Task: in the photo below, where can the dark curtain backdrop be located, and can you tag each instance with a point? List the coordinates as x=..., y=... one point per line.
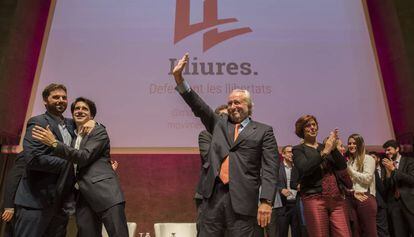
x=393, y=28
x=22, y=25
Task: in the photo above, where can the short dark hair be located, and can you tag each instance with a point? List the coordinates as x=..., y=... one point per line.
x=52, y=87
x=391, y=143
x=220, y=108
x=90, y=103
x=284, y=148
x=301, y=123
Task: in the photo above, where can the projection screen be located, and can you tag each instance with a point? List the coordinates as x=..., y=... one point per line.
x=295, y=57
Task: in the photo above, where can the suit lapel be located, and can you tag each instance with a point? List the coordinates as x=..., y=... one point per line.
x=70, y=126
x=230, y=133
x=84, y=139
x=403, y=161
x=245, y=133
x=54, y=126
x=283, y=172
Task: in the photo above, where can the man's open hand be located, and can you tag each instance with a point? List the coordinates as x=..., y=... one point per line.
x=7, y=214
x=264, y=214
x=178, y=69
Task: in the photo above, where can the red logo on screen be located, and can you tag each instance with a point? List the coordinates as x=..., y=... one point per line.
x=183, y=28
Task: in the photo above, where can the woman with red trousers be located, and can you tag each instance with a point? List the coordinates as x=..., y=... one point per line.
x=361, y=168
x=318, y=164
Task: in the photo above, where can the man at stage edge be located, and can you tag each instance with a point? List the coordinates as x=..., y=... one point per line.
x=399, y=182
x=47, y=180
x=100, y=200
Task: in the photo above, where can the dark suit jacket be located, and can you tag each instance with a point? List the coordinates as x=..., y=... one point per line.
x=47, y=178
x=98, y=183
x=403, y=178
x=380, y=191
x=282, y=182
x=253, y=157
x=204, y=141
x=13, y=179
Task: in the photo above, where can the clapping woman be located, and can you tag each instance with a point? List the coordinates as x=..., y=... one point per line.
x=324, y=204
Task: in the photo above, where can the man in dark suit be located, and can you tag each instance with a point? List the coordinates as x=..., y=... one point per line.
x=380, y=194
x=47, y=179
x=243, y=156
x=100, y=199
x=204, y=141
x=400, y=183
x=288, y=215
x=11, y=183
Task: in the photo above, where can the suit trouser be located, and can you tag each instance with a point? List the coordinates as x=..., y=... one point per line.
x=272, y=229
x=198, y=203
x=48, y=222
x=326, y=216
x=282, y=218
x=402, y=220
x=289, y=217
x=382, y=222
x=218, y=217
x=89, y=222
x=8, y=230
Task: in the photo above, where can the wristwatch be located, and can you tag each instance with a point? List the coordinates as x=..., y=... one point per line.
x=54, y=144
x=266, y=201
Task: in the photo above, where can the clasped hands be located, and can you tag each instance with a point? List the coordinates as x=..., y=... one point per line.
x=389, y=166
x=332, y=142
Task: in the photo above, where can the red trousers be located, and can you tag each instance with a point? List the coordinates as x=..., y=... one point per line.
x=366, y=212
x=326, y=216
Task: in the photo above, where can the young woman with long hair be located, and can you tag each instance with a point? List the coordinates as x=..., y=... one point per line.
x=361, y=168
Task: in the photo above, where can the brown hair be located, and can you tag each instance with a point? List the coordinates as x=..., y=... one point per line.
x=301, y=123
x=220, y=108
x=50, y=88
x=284, y=148
x=360, y=151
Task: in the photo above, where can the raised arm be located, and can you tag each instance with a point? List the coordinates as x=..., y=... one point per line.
x=197, y=105
x=337, y=160
x=306, y=165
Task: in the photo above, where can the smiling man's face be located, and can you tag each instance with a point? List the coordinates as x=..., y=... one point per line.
x=57, y=102
x=81, y=113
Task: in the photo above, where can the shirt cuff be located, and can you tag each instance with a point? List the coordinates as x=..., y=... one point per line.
x=183, y=87
x=9, y=209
